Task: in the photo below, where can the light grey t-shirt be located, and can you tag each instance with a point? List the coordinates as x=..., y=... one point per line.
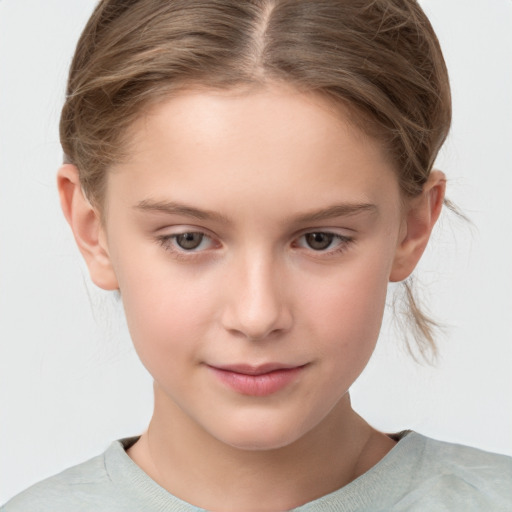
x=418, y=474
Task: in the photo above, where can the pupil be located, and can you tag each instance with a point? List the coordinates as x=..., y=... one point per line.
x=189, y=240
x=319, y=241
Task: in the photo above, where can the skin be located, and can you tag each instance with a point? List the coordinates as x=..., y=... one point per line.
x=256, y=172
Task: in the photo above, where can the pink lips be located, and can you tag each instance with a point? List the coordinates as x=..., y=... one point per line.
x=257, y=381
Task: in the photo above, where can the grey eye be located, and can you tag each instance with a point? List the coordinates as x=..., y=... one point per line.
x=189, y=241
x=319, y=241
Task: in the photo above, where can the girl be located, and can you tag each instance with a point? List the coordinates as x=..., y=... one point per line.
x=250, y=176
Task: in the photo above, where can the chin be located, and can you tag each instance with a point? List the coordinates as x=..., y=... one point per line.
x=260, y=437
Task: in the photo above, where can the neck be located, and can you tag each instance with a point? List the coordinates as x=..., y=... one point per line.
x=198, y=468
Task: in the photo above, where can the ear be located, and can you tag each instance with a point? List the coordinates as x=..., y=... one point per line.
x=86, y=225
x=421, y=214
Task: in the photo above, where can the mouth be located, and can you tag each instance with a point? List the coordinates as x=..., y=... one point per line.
x=261, y=380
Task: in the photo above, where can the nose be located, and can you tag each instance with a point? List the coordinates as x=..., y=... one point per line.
x=256, y=307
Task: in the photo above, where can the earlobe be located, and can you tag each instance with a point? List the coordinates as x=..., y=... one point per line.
x=88, y=231
x=421, y=215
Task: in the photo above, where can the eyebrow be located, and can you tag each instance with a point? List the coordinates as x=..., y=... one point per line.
x=338, y=210
x=173, y=208
x=331, y=212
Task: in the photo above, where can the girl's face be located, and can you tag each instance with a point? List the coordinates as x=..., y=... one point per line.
x=252, y=236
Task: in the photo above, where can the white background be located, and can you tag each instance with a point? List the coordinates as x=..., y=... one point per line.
x=69, y=380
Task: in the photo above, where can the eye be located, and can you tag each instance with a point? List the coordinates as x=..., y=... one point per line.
x=319, y=241
x=323, y=241
x=186, y=242
x=189, y=241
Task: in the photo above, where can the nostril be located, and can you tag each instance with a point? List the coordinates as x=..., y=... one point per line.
x=256, y=306
x=257, y=324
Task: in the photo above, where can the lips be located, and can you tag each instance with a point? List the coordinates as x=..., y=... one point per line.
x=262, y=380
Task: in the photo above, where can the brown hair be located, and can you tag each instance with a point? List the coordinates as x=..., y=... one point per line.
x=380, y=57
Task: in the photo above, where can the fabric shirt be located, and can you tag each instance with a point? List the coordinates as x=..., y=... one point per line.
x=418, y=474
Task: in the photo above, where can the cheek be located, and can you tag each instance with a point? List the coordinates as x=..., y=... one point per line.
x=347, y=309
x=349, y=326
x=166, y=311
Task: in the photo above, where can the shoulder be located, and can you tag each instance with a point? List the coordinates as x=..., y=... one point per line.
x=458, y=475
x=454, y=457
x=84, y=487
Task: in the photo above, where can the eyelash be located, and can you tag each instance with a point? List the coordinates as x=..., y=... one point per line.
x=343, y=243
x=169, y=243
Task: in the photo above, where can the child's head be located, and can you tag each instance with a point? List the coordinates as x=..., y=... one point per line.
x=376, y=64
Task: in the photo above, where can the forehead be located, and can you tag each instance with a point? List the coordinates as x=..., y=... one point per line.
x=273, y=141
